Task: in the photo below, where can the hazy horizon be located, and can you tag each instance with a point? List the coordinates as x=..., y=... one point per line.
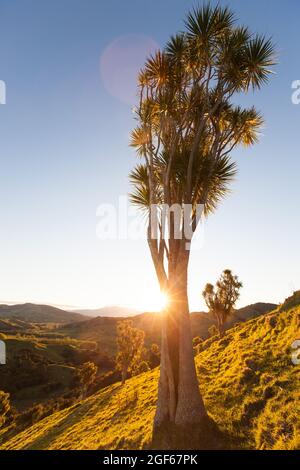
x=70, y=308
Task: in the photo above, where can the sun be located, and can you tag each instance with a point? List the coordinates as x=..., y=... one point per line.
x=163, y=301
x=157, y=301
x=147, y=300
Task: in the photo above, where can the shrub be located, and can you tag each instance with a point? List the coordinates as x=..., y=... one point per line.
x=154, y=356
x=130, y=343
x=86, y=375
x=142, y=367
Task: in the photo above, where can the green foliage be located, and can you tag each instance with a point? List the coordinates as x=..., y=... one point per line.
x=221, y=300
x=187, y=122
x=42, y=364
x=154, y=355
x=86, y=375
x=130, y=343
x=143, y=366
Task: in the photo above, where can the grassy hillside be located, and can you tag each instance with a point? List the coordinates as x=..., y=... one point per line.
x=103, y=329
x=39, y=314
x=38, y=369
x=291, y=301
x=250, y=387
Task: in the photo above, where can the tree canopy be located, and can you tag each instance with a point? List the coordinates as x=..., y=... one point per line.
x=221, y=300
x=187, y=122
x=130, y=343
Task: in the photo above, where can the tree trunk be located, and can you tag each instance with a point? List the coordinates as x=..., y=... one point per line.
x=124, y=375
x=220, y=325
x=180, y=410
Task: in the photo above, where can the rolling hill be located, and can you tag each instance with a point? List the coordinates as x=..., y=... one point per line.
x=249, y=384
x=34, y=313
x=103, y=329
x=41, y=368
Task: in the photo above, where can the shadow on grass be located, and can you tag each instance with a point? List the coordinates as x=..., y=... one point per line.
x=204, y=436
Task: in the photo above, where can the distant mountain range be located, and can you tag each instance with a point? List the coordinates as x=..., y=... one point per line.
x=34, y=313
x=89, y=324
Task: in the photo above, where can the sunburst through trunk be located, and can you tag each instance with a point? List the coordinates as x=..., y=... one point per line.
x=180, y=404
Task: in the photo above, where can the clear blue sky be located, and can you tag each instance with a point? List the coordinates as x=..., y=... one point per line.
x=64, y=150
